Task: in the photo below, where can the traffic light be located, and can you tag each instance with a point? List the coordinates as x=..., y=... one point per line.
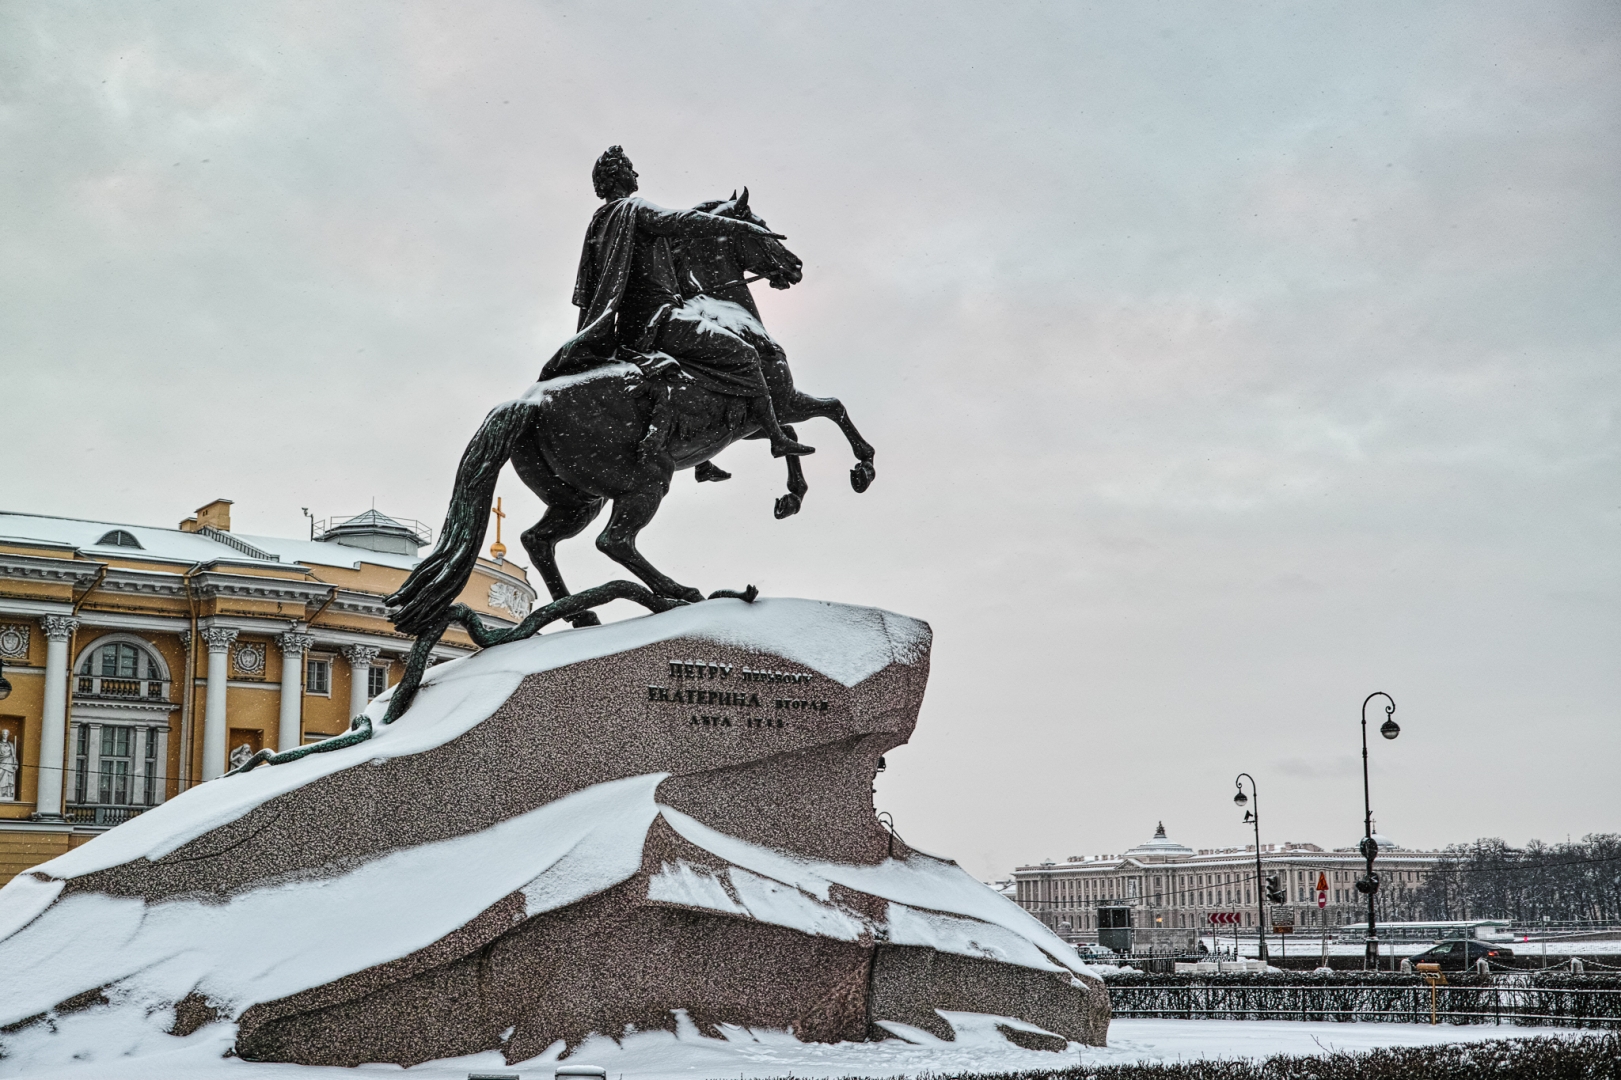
x=1274, y=890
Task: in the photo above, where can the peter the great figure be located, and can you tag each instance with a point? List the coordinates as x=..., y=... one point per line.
x=670, y=366
x=631, y=303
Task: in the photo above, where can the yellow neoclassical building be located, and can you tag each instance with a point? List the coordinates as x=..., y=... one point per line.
x=142, y=661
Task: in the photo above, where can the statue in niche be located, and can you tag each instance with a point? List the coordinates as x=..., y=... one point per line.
x=9, y=765
x=240, y=756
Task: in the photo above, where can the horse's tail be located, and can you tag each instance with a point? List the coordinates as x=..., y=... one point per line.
x=425, y=598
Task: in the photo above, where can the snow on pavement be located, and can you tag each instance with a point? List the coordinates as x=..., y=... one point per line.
x=85, y=1049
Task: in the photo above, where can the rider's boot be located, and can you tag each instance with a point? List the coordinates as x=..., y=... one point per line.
x=765, y=414
x=708, y=470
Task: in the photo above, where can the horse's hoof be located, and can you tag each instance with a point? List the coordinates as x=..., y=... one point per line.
x=787, y=506
x=585, y=618
x=862, y=475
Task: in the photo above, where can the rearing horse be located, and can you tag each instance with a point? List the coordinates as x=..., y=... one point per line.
x=579, y=441
x=708, y=270
x=617, y=432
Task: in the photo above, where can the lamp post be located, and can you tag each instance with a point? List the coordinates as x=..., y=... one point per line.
x=1369, y=883
x=1253, y=817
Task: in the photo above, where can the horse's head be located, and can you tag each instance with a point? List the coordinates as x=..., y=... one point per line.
x=763, y=255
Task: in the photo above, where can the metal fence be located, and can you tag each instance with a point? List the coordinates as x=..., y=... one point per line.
x=1573, y=1002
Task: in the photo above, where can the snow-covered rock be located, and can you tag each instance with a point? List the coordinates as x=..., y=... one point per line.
x=572, y=835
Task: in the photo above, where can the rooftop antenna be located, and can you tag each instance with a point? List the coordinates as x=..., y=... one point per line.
x=312, y=520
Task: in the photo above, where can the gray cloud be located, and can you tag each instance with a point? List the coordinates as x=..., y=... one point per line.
x=1225, y=363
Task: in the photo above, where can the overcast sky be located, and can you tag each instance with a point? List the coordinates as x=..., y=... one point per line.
x=1226, y=363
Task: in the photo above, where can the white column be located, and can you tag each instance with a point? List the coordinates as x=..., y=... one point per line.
x=137, y=773
x=54, y=722
x=218, y=639
x=92, y=765
x=160, y=790
x=71, y=773
x=360, y=661
x=289, y=731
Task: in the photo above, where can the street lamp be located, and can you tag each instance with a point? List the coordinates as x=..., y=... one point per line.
x=1253, y=817
x=1369, y=883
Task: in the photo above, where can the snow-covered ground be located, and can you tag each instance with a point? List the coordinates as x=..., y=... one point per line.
x=82, y=1050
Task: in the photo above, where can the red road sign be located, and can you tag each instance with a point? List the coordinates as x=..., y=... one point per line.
x=1322, y=889
x=1219, y=918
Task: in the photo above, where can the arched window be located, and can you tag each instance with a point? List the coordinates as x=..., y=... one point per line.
x=121, y=669
x=120, y=538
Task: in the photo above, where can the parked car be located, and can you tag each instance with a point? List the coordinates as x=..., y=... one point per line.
x=1095, y=952
x=1461, y=955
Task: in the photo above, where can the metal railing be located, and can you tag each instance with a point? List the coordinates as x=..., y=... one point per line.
x=1507, y=1002
x=421, y=531
x=106, y=686
x=101, y=814
x=220, y=536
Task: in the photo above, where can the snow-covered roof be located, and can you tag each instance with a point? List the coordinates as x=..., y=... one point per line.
x=1385, y=844
x=373, y=519
x=186, y=547
x=163, y=544
x=1159, y=846
x=317, y=553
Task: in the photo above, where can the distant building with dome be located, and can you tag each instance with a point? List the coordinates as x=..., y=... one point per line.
x=1166, y=891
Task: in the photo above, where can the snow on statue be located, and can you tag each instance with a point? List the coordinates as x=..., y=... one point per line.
x=8, y=767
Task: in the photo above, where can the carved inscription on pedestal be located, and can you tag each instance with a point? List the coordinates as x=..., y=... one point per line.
x=711, y=695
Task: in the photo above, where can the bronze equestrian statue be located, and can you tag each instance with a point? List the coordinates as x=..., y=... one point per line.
x=632, y=305
x=670, y=365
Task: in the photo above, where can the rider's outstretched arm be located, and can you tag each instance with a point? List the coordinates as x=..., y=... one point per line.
x=695, y=223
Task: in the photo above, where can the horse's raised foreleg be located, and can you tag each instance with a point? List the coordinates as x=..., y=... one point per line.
x=562, y=520
x=631, y=514
x=789, y=504
x=802, y=406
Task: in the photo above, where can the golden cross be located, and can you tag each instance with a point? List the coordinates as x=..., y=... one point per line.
x=498, y=550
